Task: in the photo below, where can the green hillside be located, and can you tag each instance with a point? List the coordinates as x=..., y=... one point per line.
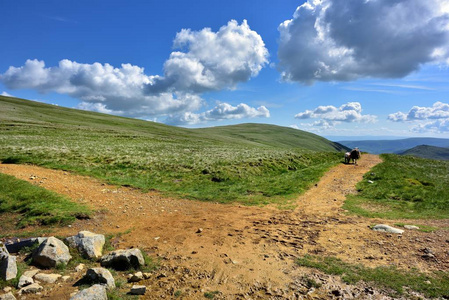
x=430, y=152
x=250, y=163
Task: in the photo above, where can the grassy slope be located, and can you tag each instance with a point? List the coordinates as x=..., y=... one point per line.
x=403, y=187
x=430, y=152
x=249, y=163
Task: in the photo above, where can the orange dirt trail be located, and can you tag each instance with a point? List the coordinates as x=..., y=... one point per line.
x=240, y=251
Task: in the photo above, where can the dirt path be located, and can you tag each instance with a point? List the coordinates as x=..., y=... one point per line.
x=240, y=251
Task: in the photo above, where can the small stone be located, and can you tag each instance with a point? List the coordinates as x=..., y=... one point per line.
x=24, y=281
x=88, y=243
x=65, y=278
x=123, y=259
x=8, y=266
x=387, y=228
x=199, y=230
x=95, y=292
x=100, y=275
x=7, y=289
x=7, y=296
x=48, y=278
x=31, y=289
x=138, y=290
x=51, y=253
x=136, y=277
x=411, y=227
x=147, y=275
x=31, y=273
x=79, y=268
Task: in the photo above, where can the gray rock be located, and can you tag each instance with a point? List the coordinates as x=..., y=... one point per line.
x=123, y=259
x=31, y=289
x=136, y=277
x=8, y=265
x=386, y=228
x=31, y=273
x=101, y=276
x=24, y=281
x=51, y=253
x=3, y=252
x=138, y=290
x=95, y=292
x=411, y=227
x=89, y=244
x=7, y=296
x=48, y=278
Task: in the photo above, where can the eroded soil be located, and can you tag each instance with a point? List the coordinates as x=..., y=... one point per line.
x=242, y=252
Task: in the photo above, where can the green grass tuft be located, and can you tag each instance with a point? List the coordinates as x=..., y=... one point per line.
x=403, y=187
x=434, y=285
x=35, y=205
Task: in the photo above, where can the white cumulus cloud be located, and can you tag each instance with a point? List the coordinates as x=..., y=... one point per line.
x=222, y=111
x=438, y=110
x=328, y=115
x=213, y=60
x=205, y=61
x=438, y=126
x=341, y=40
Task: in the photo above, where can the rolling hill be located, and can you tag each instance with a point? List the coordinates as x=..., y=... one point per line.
x=250, y=163
x=430, y=152
x=394, y=146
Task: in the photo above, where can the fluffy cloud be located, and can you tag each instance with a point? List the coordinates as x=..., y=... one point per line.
x=439, y=110
x=222, y=111
x=438, y=126
x=101, y=87
x=340, y=40
x=212, y=61
x=329, y=115
x=6, y=94
x=438, y=113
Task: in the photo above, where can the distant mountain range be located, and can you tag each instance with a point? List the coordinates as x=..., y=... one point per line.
x=394, y=146
x=426, y=151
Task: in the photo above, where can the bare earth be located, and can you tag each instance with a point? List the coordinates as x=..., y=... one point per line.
x=242, y=252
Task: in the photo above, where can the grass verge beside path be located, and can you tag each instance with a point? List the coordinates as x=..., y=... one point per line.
x=435, y=285
x=35, y=205
x=403, y=187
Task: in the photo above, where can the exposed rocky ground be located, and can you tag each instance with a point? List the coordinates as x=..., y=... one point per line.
x=234, y=251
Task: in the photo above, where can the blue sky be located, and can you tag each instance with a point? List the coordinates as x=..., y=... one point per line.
x=335, y=68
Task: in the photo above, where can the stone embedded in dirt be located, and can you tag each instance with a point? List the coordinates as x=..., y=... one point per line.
x=7, y=296
x=7, y=289
x=31, y=289
x=31, y=273
x=138, y=290
x=411, y=227
x=95, y=292
x=147, y=275
x=79, y=268
x=199, y=230
x=387, y=228
x=51, y=253
x=101, y=276
x=24, y=281
x=123, y=259
x=48, y=278
x=136, y=277
x=88, y=243
x=8, y=265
